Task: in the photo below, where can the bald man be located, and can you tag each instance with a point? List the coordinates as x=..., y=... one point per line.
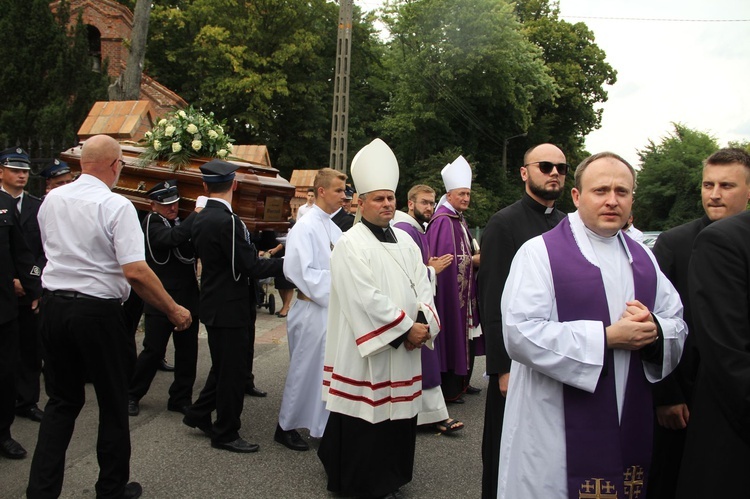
x=95, y=253
x=543, y=173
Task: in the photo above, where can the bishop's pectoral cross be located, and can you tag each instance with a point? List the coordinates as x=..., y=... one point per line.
x=600, y=489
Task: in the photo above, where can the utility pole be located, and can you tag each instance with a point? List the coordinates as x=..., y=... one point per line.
x=340, y=118
x=505, y=149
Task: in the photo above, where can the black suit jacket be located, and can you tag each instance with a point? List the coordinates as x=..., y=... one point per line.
x=717, y=449
x=16, y=261
x=31, y=233
x=166, y=245
x=673, y=249
x=343, y=220
x=219, y=240
x=506, y=231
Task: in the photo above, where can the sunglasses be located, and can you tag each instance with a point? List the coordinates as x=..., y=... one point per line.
x=547, y=166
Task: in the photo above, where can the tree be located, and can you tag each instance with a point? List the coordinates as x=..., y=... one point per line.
x=128, y=87
x=668, y=192
x=579, y=70
x=267, y=67
x=47, y=82
x=464, y=77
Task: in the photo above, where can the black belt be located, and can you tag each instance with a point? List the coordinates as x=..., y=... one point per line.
x=76, y=295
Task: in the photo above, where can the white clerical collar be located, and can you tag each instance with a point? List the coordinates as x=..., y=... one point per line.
x=450, y=207
x=583, y=236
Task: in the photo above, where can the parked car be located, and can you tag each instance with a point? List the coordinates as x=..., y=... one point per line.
x=649, y=238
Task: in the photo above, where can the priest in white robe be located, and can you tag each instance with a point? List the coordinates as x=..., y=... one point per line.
x=307, y=265
x=589, y=321
x=380, y=314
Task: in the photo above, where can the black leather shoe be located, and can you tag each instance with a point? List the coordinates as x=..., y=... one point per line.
x=12, y=449
x=165, y=366
x=238, y=445
x=204, y=426
x=254, y=392
x=181, y=408
x=31, y=412
x=133, y=490
x=290, y=439
x=133, y=408
x=472, y=390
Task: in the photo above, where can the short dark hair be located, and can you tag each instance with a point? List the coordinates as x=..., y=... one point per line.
x=606, y=154
x=219, y=187
x=311, y=189
x=728, y=156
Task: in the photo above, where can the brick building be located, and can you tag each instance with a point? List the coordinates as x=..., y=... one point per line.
x=108, y=23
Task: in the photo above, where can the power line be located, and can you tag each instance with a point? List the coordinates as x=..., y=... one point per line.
x=658, y=19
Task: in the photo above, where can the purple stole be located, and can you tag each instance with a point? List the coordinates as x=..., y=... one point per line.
x=606, y=458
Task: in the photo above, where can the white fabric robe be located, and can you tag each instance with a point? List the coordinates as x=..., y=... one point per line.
x=434, y=409
x=372, y=304
x=547, y=353
x=307, y=264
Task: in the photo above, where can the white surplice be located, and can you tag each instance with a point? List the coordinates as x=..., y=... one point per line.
x=547, y=354
x=373, y=302
x=434, y=409
x=307, y=264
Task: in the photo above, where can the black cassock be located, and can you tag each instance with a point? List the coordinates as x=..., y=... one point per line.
x=505, y=233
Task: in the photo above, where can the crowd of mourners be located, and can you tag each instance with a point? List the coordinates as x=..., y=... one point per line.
x=614, y=370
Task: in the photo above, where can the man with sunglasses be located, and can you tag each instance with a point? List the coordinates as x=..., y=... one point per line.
x=543, y=172
x=589, y=322
x=95, y=253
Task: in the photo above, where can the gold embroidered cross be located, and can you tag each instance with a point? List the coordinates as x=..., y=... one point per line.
x=633, y=482
x=608, y=491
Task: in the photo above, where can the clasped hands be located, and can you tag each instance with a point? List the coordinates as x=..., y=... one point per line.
x=635, y=329
x=417, y=336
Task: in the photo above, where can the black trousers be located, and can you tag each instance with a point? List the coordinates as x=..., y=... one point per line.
x=84, y=339
x=250, y=381
x=8, y=362
x=29, y=368
x=155, y=340
x=494, y=410
x=225, y=385
x=455, y=385
x=665, y=462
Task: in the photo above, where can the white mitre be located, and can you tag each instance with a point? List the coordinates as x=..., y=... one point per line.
x=375, y=168
x=457, y=175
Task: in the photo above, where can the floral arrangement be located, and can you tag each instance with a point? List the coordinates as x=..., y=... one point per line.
x=185, y=134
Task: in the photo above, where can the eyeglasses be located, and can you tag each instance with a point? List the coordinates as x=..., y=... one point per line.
x=122, y=163
x=547, y=166
x=424, y=202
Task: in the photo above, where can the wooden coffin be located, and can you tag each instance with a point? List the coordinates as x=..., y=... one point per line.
x=262, y=199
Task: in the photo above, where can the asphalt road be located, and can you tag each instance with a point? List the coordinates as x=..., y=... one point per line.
x=171, y=460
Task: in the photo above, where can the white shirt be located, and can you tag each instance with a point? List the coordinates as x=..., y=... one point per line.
x=547, y=354
x=89, y=233
x=304, y=209
x=307, y=263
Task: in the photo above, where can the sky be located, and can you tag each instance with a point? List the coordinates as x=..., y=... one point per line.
x=694, y=73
